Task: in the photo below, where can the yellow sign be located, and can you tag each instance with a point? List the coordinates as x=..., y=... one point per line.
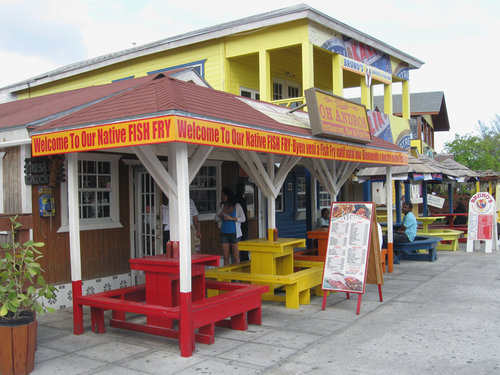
x=188, y=130
x=334, y=117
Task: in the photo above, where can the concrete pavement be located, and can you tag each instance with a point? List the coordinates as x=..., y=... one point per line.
x=436, y=318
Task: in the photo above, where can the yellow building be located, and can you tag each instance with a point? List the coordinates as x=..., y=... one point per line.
x=273, y=57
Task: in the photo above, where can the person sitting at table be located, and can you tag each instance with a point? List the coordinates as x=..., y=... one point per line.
x=230, y=215
x=460, y=209
x=408, y=229
x=324, y=220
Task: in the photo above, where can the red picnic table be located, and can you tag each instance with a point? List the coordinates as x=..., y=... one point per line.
x=158, y=300
x=321, y=235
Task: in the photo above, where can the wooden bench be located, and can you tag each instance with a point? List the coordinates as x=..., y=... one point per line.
x=297, y=285
x=410, y=250
x=239, y=305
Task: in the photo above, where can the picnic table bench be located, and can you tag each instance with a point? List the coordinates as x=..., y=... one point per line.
x=411, y=250
x=297, y=285
x=449, y=237
x=239, y=305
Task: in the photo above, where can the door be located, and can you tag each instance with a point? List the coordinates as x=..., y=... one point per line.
x=148, y=218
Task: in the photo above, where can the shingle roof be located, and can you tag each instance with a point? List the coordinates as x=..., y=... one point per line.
x=21, y=113
x=421, y=103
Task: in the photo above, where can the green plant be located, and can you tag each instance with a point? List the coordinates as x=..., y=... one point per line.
x=21, y=280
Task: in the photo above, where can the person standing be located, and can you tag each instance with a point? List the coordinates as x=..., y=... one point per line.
x=165, y=220
x=195, y=227
x=194, y=224
x=240, y=198
x=230, y=215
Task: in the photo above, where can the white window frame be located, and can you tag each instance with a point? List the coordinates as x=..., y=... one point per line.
x=302, y=193
x=253, y=92
x=218, y=189
x=285, y=85
x=95, y=223
x=279, y=201
x=321, y=193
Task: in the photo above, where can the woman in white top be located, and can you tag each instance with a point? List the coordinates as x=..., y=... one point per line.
x=230, y=214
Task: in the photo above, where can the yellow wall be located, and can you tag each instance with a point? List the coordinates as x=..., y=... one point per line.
x=274, y=37
x=138, y=67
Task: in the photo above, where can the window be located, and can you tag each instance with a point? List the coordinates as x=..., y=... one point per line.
x=301, y=193
x=94, y=189
x=199, y=66
x=277, y=91
x=204, y=192
x=279, y=201
x=249, y=93
x=98, y=193
x=283, y=89
x=325, y=200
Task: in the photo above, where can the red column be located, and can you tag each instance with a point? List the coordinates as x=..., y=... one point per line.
x=186, y=331
x=77, y=309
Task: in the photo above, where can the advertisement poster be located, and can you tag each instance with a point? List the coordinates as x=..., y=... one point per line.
x=348, y=246
x=481, y=213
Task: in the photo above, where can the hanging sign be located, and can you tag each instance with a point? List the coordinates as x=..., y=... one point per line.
x=435, y=201
x=335, y=117
x=166, y=129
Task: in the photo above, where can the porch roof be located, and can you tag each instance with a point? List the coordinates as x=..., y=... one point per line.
x=166, y=99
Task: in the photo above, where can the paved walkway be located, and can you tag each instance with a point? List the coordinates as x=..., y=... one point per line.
x=436, y=318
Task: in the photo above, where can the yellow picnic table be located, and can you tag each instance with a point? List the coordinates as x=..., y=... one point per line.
x=427, y=220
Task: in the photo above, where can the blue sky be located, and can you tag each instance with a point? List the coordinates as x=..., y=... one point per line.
x=457, y=40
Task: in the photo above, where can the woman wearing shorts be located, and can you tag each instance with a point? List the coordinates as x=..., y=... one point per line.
x=230, y=214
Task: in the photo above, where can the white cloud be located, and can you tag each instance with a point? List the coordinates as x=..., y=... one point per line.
x=16, y=68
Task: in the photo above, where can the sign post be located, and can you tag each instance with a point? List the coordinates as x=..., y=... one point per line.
x=482, y=223
x=353, y=251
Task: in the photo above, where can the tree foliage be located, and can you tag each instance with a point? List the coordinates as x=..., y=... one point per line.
x=478, y=152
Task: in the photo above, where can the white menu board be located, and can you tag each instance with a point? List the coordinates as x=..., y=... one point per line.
x=348, y=247
x=482, y=225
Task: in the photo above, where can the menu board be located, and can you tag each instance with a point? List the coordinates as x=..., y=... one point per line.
x=481, y=212
x=482, y=225
x=348, y=247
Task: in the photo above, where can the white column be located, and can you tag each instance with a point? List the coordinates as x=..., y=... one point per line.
x=173, y=204
x=184, y=237
x=25, y=152
x=271, y=202
x=74, y=218
x=388, y=190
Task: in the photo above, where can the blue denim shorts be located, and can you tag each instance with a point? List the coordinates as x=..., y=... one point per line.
x=228, y=238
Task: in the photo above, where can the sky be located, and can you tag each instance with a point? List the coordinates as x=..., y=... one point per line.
x=457, y=40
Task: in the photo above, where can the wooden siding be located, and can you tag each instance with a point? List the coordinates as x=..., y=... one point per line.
x=12, y=180
x=244, y=72
x=139, y=67
x=323, y=70
x=103, y=252
x=210, y=241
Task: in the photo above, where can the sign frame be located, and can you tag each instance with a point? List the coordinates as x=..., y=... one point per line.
x=335, y=117
x=482, y=225
x=351, y=261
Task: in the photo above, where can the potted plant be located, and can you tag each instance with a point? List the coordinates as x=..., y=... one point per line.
x=22, y=285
